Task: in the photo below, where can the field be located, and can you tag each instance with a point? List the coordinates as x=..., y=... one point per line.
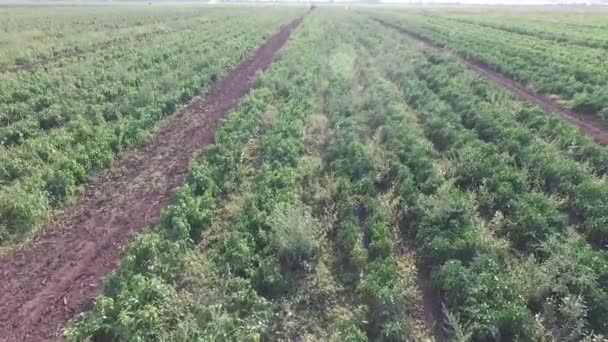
x=563, y=56
x=62, y=123
x=281, y=173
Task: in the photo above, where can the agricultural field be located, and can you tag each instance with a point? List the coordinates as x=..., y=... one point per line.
x=31, y=37
x=562, y=55
x=64, y=121
x=364, y=180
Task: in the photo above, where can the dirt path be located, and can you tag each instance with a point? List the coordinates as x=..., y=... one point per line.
x=588, y=125
x=46, y=283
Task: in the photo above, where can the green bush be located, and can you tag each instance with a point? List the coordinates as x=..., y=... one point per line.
x=486, y=300
x=238, y=253
x=588, y=103
x=150, y=255
x=137, y=314
x=388, y=291
x=22, y=207
x=447, y=228
x=570, y=268
x=295, y=234
x=591, y=202
x=348, y=328
x=566, y=320
x=349, y=235
x=59, y=186
x=533, y=217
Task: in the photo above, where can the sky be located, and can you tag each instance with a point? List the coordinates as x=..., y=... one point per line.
x=497, y=2
x=470, y=2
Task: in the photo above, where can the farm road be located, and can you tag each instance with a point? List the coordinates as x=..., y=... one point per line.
x=46, y=283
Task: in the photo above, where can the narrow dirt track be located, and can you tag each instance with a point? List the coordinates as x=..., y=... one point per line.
x=590, y=126
x=45, y=284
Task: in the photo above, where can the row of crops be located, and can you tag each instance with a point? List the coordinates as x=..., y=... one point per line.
x=563, y=69
x=585, y=31
x=507, y=220
x=361, y=168
x=265, y=240
x=42, y=36
x=63, y=124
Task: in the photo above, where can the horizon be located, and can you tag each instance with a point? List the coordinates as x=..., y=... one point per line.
x=368, y=2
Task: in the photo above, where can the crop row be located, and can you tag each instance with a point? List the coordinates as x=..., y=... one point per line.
x=219, y=232
x=299, y=243
x=108, y=104
x=359, y=165
x=547, y=169
x=35, y=104
x=586, y=36
x=575, y=75
x=495, y=232
x=572, y=163
x=369, y=131
x=29, y=36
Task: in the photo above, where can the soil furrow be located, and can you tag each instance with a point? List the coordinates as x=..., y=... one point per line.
x=590, y=126
x=47, y=282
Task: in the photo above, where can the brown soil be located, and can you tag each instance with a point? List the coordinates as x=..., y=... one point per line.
x=432, y=306
x=590, y=126
x=57, y=276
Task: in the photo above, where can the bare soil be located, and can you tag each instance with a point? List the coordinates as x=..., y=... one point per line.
x=49, y=281
x=593, y=127
x=431, y=306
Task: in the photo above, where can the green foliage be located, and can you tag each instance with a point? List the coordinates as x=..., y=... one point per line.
x=190, y=215
x=253, y=249
x=570, y=269
x=349, y=235
x=348, y=157
x=138, y=313
x=548, y=66
x=533, y=220
x=295, y=234
x=138, y=303
x=486, y=300
x=567, y=319
x=447, y=228
x=454, y=329
x=23, y=207
x=348, y=328
x=592, y=203
x=63, y=124
x=388, y=291
x=513, y=176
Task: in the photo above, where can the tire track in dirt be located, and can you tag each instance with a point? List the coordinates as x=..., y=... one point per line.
x=595, y=128
x=47, y=282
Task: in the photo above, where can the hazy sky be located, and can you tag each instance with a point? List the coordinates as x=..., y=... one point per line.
x=519, y=2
